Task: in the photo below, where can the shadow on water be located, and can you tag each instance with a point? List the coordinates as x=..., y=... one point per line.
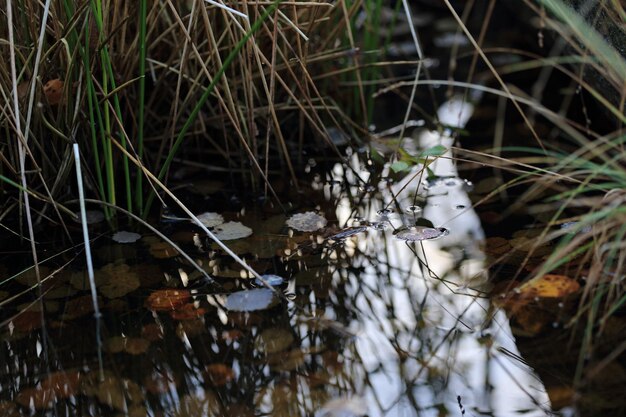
x=383, y=312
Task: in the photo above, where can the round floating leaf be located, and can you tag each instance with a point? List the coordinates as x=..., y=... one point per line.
x=210, y=219
x=126, y=237
x=306, y=222
x=419, y=233
x=231, y=231
x=250, y=300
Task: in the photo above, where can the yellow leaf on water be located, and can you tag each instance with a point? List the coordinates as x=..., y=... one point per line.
x=549, y=286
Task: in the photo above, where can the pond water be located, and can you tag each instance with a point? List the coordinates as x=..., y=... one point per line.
x=379, y=307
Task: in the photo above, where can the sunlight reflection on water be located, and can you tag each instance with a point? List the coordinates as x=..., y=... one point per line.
x=427, y=333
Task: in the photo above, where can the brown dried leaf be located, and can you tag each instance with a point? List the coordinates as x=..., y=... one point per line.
x=167, y=299
x=53, y=90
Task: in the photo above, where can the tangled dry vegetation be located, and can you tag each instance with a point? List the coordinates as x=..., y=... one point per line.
x=132, y=81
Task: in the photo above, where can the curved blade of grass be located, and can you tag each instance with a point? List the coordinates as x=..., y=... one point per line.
x=143, y=10
x=586, y=34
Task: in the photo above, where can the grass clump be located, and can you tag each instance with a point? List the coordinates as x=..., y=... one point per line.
x=142, y=85
x=571, y=163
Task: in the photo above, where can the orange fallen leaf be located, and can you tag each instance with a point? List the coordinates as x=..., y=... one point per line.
x=549, y=286
x=167, y=299
x=53, y=90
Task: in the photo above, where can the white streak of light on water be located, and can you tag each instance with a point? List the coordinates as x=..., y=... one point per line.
x=442, y=339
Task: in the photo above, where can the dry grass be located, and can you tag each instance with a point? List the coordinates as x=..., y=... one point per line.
x=235, y=84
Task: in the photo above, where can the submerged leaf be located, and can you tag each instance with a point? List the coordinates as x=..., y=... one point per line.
x=92, y=216
x=126, y=237
x=274, y=340
x=308, y=221
x=250, y=300
x=220, y=374
x=117, y=280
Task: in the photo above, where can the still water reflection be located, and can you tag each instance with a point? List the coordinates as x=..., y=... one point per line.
x=371, y=324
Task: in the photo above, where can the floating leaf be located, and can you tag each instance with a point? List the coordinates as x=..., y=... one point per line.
x=168, y=299
x=348, y=232
x=399, y=166
x=250, y=300
x=210, y=219
x=549, y=286
x=231, y=231
x=436, y=150
x=270, y=279
x=419, y=233
x=308, y=221
x=53, y=90
x=126, y=237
